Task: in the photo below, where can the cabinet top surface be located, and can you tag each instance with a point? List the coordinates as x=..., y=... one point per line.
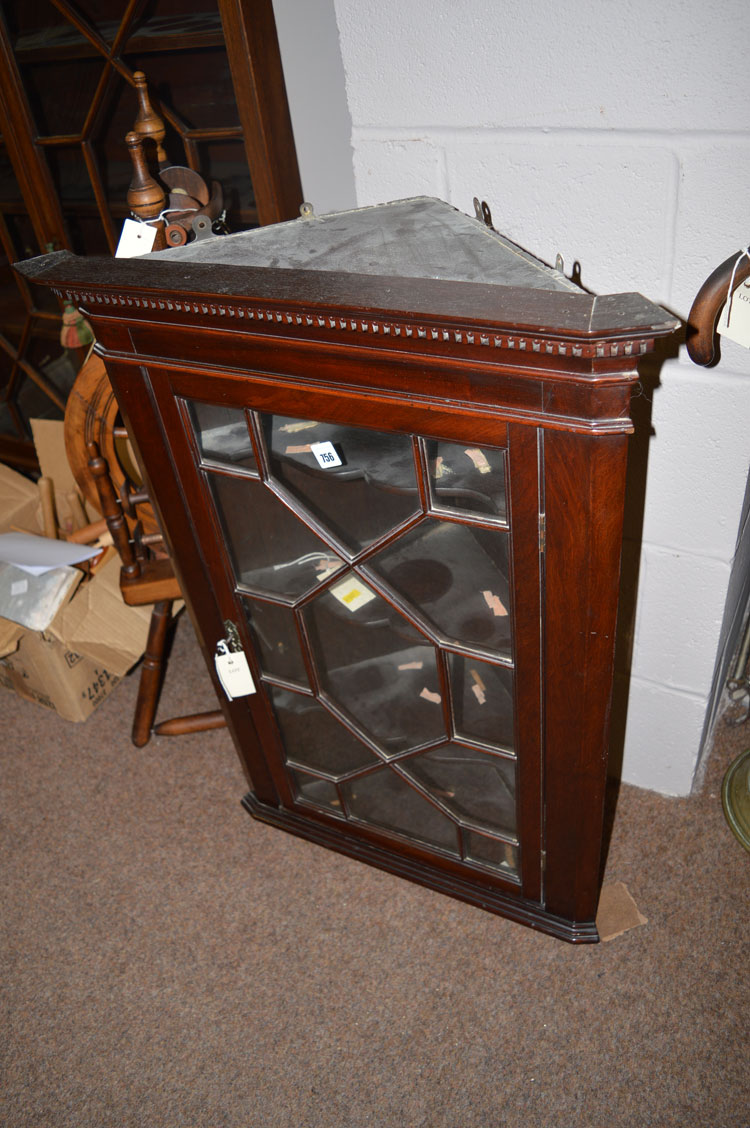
x=415, y=258
x=417, y=238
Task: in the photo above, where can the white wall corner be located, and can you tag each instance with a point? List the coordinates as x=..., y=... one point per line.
x=698, y=460
x=396, y=170
x=316, y=92
x=712, y=218
x=662, y=738
x=606, y=205
x=680, y=607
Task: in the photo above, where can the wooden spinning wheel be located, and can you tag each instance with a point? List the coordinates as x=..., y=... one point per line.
x=92, y=415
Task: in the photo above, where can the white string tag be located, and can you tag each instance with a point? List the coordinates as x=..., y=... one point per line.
x=233, y=670
x=136, y=239
x=734, y=321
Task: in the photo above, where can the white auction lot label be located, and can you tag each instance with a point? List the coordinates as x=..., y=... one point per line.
x=234, y=674
x=326, y=455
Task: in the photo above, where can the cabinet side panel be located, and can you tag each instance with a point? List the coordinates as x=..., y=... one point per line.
x=584, y=494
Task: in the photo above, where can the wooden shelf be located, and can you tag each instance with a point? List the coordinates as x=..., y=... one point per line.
x=176, y=33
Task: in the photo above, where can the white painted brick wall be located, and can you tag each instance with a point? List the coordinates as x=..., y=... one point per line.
x=677, y=624
x=711, y=216
x=585, y=64
x=605, y=204
x=315, y=89
x=617, y=133
x=698, y=459
x=662, y=731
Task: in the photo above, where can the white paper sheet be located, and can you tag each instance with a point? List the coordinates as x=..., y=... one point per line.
x=38, y=555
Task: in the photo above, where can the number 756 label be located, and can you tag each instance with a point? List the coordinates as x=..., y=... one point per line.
x=326, y=455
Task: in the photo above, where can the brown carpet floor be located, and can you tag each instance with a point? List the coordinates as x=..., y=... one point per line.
x=168, y=961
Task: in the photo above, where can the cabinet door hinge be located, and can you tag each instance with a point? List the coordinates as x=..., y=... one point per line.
x=542, y=532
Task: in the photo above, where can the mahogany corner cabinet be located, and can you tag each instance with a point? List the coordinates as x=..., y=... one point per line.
x=387, y=449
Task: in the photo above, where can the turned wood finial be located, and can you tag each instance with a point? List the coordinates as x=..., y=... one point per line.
x=145, y=197
x=148, y=124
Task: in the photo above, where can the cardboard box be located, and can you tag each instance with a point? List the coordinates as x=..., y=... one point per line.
x=49, y=442
x=91, y=643
x=43, y=669
x=20, y=507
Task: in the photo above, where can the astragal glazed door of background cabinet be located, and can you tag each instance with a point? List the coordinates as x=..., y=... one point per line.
x=384, y=584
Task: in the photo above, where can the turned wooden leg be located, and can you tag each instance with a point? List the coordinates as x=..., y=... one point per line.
x=151, y=672
x=196, y=722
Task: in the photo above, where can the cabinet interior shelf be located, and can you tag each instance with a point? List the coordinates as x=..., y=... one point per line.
x=176, y=33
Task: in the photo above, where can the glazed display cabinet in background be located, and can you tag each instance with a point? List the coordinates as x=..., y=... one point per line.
x=389, y=458
x=67, y=100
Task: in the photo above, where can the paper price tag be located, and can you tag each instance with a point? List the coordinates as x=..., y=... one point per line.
x=479, y=689
x=326, y=568
x=352, y=594
x=479, y=459
x=428, y=695
x=495, y=604
x=326, y=455
x=737, y=326
x=234, y=675
x=301, y=425
x=136, y=239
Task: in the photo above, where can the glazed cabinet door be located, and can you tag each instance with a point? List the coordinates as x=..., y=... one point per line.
x=384, y=582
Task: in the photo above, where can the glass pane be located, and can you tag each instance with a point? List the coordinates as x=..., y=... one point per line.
x=492, y=852
x=375, y=666
x=60, y=93
x=457, y=576
x=476, y=786
x=222, y=434
x=174, y=19
x=360, y=485
x=226, y=161
x=384, y=799
x=195, y=83
x=482, y=701
x=313, y=738
x=71, y=178
x=11, y=421
x=272, y=552
x=467, y=479
x=314, y=790
x=104, y=15
x=38, y=30
x=45, y=354
x=276, y=640
x=10, y=193
x=86, y=232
